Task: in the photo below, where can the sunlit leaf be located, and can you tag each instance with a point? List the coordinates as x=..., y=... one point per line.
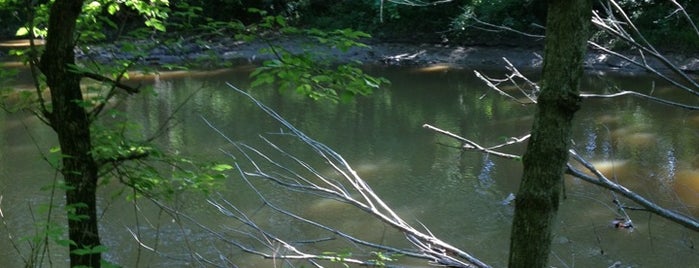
x=94, y=5
x=222, y=167
x=112, y=8
x=22, y=31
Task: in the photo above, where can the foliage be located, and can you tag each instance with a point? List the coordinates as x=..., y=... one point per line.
x=90, y=147
x=510, y=13
x=145, y=168
x=138, y=164
x=338, y=257
x=390, y=19
x=313, y=72
x=383, y=258
x=315, y=79
x=173, y=175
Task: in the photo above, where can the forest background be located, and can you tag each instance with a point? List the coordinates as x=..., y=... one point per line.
x=445, y=22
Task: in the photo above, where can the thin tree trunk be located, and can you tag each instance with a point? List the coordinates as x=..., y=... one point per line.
x=71, y=123
x=537, y=200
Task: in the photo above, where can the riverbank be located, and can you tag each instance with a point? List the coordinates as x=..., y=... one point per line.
x=228, y=51
x=400, y=54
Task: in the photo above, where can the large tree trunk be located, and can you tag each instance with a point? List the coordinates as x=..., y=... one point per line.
x=536, y=205
x=71, y=123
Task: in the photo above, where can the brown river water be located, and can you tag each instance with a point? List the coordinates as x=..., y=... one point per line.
x=652, y=149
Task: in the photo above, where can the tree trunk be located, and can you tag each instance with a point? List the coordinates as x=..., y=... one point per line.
x=537, y=201
x=71, y=123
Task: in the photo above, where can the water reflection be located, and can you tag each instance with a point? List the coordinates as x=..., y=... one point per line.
x=457, y=195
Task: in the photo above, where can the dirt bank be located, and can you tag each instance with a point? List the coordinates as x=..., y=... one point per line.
x=402, y=54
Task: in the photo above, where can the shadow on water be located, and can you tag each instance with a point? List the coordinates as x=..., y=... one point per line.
x=460, y=196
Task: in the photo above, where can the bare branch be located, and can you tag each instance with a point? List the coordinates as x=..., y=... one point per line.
x=112, y=91
x=684, y=12
x=505, y=28
x=644, y=65
x=416, y=3
x=600, y=180
x=493, y=84
x=102, y=78
x=616, y=29
x=355, y=192
x=640, y=95
x=470, y=145
x=531, y=93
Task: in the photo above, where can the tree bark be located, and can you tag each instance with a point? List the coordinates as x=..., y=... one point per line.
x=71, y=123
x=544, y=161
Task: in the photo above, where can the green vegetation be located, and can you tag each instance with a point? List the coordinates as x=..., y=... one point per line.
x=94, y=148
x=410, y=21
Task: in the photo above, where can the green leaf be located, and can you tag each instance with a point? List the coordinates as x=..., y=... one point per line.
x=303, y=89
x=112, y=8
x=64, y=242
x=94, y=5
x=22, y=31
x=155, y=24
x=281, y=21
x=222, y=167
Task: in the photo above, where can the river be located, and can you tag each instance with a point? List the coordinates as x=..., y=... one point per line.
x=457, y=195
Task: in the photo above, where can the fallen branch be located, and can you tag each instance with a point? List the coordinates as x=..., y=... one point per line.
x=640, y=95
x=343, y=185
x=470, y=145
x=617, y=29
x=599, y=179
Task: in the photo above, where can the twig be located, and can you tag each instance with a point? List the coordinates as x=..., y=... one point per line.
x=357, y=193
x=101, y=78
x=507, y=29
x=494, y=84
x=600, y=180
x=616, y=30
x=468, y=144
x=640, y=95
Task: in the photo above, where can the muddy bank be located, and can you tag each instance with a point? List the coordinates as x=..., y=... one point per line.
x=381, y=53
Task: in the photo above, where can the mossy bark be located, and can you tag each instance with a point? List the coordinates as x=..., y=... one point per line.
x=71, y=123
x=537, y=200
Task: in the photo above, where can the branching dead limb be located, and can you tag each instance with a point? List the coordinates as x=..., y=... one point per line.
x=494, y=27
x=618, y=29
x=689, y=19
x=600, y=180
x=625, y=30
x=470, y=145
x=643, y=96
x=530, y=89
x=345, y=186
